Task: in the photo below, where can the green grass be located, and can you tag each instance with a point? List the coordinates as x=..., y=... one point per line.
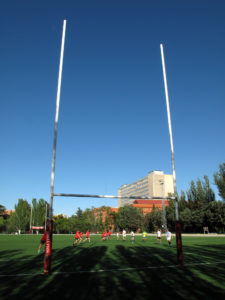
x=112, y=269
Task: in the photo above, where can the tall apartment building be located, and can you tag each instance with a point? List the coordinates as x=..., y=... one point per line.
x=155, y=184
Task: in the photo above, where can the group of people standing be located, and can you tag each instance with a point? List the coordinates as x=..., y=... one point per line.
x=168, y=236
x=144, y=236
x=124, y=235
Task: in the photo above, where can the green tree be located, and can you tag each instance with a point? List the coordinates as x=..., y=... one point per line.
x=192, y=198
x=209, y=194
x=79, y=221
x=182, y=203
x=99, y=225
x=186, y=220
x=2, y=209
x=90, y=219
x=79, y=213
x=73, y=224
x=33, y=220
x=19, y=220
x=197, y=220
x=153, y=220
x=2, y=224
x=130, y=218
x=170, y=214
x=41, y=212
x=61, y=224
x=3, y=212
x=219, y=179
x=38, y=212
x=103, y=218
x=199, y=195
x=109, y=217
x=194, y=194
x=216, y=216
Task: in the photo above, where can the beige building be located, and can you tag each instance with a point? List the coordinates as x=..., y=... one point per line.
x=156, y=184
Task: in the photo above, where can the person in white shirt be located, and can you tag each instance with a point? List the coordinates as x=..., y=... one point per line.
x=117, y=235
x=159, y=235
x=168, y=237
x=132, y=236
x=124, y=235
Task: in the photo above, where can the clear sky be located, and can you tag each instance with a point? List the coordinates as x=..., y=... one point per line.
x=113, y=125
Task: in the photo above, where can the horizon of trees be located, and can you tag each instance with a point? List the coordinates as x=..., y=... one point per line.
x=198, y=208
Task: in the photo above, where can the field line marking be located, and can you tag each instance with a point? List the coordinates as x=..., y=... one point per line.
x=114, y=270
x=13, y=259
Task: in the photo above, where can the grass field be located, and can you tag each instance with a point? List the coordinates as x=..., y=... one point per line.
x=112, y=269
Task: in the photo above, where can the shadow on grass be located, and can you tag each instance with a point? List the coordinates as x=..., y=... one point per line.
x=119, y=272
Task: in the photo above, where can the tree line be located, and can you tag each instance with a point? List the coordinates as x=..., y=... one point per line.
x=198, y=208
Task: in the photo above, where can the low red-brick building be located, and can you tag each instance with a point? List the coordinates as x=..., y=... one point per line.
x=147, y=205
x=7, y=213
x=104, y=212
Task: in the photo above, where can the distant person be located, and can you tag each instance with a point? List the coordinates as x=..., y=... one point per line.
x=159, y=235
x=109, y=234
x=117, y=235
x=42, y=241
x=87, y=237
x=144, y=236
x=76, y=237
x=132, y=236
x=103, y=236
x=169, y=237
x=124, y=235
x=80, y=237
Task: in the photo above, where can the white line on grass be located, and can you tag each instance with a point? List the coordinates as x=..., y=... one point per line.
x=13, y=259
x=114, y=270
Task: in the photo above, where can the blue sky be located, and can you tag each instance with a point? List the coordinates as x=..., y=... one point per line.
x=113, y=125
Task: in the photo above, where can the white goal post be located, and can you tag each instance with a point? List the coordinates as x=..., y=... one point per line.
x=48, y=244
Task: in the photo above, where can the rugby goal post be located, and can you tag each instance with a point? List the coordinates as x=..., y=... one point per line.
x=49, y=223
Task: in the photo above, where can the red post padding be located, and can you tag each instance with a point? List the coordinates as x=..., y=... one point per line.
x=179, y=244
x=48, y=247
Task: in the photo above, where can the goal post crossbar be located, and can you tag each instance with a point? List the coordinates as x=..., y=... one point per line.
x=110, y=196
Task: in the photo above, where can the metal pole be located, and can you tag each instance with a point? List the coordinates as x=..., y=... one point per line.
x=46, y=210
x=169, y=124
x=56, y=121
x=108, y=196
x=164, y=222
x=178, y=227
x=31, y=218
x=49, y=223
